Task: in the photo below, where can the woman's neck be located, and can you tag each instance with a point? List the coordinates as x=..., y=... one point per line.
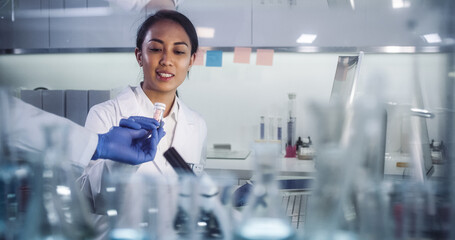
x=166, y=98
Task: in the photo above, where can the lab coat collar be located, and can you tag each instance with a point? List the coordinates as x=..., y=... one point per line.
x=126, y=107
x=147, y=106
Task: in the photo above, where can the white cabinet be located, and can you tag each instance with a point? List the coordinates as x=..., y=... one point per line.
x=6, y=25
x=85, y=24
x=229, y=21
x=279, y=23
x=24, y=24
x=91, y=24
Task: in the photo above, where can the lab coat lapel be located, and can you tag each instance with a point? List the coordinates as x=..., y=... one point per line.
x=184, y=130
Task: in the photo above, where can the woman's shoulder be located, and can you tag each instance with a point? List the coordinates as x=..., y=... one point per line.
x=109, y=112
x=122, y=100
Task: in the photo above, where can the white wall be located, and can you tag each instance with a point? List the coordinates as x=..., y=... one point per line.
x=233, y=97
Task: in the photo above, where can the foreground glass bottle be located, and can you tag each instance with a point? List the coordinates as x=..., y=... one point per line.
x=263, y=218
x=56, y=209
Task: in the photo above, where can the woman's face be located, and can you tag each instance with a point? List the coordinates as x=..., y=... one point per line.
x=165, y=57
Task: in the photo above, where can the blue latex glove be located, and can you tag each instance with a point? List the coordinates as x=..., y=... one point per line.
x=137, y=122
x=149, y=124
x=134, y=142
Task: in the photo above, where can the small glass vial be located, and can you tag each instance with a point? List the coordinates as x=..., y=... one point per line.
x=159, y=111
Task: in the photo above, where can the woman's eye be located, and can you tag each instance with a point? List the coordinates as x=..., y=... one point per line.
x=155, y=49
x=179, y=52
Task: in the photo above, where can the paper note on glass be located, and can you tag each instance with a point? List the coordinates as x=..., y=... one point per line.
x=214, y=58
x=199, y=57
x=242, y=55
x=264, y=57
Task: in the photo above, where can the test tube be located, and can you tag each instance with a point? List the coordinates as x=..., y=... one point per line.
x=159, y=111
x=279, y=129
x=262, y=128
x=291, y=119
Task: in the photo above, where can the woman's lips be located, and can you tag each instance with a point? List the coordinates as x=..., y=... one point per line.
x=164, y=76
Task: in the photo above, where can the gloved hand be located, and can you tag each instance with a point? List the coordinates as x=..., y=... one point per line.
x=134, y=142
x=138, y=122
x=149, y=124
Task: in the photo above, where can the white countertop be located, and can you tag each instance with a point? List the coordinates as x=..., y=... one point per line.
x=243, y=169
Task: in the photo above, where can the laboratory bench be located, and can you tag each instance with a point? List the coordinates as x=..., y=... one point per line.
x=242, y=169
x=295, y=200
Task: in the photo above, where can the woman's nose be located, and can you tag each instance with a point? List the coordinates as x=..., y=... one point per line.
x=165, y=59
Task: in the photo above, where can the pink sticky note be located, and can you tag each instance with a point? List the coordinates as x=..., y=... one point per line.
x=199, y=57
x=242, y=55
x=264, y=57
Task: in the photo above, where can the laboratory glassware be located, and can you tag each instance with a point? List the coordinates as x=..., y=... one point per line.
x=8, y=200
x=291, y=119
x=213, y=221
x=135, y=206
x=187, y=211
x=349, y=167
x=299, y=144
x=279, y=134
x=200, y=211
x=262, y=128
x=55, y=198
x=159, y=111
x=291, y=150
x=263, y=218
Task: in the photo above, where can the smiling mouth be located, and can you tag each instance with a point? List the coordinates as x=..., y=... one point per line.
x=165, y=75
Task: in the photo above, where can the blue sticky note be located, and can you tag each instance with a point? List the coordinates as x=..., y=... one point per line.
x=214, y=58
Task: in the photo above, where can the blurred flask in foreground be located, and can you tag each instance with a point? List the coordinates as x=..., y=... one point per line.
x=350, y=169
x=263, y=218
x=39, y=198
x=57, y=208
x=137, y=206
x=14, y=177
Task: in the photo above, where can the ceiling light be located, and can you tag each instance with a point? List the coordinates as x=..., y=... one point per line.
x=432, y=38
x=352, y=4
x=399, y=49
x=401, y=3
x=306, y=38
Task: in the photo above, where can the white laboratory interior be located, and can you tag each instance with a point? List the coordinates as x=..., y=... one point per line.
x=295, y=119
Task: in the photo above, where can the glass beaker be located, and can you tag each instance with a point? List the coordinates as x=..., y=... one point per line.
x=133, y=206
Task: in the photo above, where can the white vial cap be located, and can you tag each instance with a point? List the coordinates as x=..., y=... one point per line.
x=160, y=106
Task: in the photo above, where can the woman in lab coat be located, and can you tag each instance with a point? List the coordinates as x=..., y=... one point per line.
x=166, y=45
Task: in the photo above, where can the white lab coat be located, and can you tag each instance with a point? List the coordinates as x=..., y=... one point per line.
x=189, y=140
